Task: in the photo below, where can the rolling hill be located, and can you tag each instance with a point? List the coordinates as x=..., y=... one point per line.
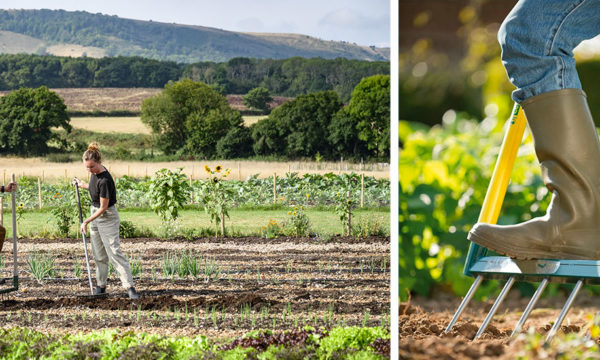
x=79, y=33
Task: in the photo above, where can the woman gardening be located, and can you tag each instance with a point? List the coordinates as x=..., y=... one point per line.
x=104, y=223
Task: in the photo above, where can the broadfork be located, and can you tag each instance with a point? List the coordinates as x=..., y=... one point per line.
x=87, y=259
x=15, y=286
x=481, y=266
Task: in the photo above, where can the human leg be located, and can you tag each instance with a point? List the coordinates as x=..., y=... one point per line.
x=537, y=40
x=100, y=256
x=108, y=228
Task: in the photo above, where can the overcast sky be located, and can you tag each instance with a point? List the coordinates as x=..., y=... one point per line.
x=365, y=22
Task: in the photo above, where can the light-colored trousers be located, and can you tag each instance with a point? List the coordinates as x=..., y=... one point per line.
x=106, y=246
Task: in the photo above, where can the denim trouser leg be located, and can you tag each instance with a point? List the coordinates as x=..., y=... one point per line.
x=537, y=39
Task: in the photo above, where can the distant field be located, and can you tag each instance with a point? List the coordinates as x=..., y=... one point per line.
x=249, y=120
x=40, y=167
x=126, y=99
x=119, y=124
x=127, y=124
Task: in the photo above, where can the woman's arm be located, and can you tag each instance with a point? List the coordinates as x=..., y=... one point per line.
x=103, y=206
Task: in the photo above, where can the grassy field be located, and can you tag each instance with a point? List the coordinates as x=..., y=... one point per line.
x=240, y=222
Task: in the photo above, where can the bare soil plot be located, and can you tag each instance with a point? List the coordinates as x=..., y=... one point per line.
x=422, y=322
x=282, y=283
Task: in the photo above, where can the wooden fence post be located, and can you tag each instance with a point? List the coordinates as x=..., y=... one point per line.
x=40, y=192
x=362, y=190
x=274, y=188
x=191, y=189
x=348, y=230
x=239, y=171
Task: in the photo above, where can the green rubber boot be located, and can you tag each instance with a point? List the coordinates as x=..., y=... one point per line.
x=567, y=146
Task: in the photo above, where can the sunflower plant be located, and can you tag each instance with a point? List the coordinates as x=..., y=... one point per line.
x=215, y=196
x=169, y=191
x=297, y=223
x=344, y=202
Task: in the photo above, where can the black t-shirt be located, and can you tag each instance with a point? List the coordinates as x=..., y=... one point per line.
x=102, y=185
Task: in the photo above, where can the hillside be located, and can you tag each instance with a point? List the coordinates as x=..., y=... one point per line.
x=79, y=33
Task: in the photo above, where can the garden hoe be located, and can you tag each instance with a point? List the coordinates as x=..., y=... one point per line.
x=15, y=286
x=482, y=266
x=87, y=259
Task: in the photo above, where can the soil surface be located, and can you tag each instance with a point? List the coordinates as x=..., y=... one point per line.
x=422, y=323
x=243, y=284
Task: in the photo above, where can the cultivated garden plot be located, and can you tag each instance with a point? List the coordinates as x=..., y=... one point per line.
x=220, y=287
x=292, y=280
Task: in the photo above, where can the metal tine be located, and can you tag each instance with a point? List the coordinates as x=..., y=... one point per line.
x=530, y=306
x=494, y=308
x=464, y=302
x=564, y=311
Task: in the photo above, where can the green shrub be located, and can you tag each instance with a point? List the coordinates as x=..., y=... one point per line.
x=237, y=143
x=127, y=229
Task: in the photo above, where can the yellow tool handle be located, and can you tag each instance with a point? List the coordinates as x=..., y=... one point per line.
x=501, y=176
x=496, y=191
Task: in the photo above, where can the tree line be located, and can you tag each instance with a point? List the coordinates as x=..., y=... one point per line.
x=288, y=77
x=189, y=119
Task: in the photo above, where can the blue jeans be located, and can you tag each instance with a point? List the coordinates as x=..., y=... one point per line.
x=537, y=39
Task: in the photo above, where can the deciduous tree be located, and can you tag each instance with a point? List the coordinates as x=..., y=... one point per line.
x=26, y=118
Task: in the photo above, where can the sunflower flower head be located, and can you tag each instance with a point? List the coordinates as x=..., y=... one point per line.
x=207, y=169
x=218, y=168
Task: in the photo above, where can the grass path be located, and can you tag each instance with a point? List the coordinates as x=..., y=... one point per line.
x=241, y=221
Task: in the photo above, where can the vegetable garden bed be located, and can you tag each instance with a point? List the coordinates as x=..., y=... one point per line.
x=239, y=285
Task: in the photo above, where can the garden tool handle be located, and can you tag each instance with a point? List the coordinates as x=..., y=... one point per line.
x=87, y=259
x=496, y=191
x=78, y=204
x=14, y=227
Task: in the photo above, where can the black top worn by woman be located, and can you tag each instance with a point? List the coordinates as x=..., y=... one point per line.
x=102, y=185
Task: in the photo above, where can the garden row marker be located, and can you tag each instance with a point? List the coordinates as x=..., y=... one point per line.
x=480, y=265
x=15, y=286
x=87, y=259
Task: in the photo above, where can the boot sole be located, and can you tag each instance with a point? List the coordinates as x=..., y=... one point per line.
x=521, y=253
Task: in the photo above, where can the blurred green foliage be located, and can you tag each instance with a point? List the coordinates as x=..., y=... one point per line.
x=444, y=173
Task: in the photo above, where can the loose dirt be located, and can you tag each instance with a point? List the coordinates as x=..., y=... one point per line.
x=422, y=322
x=254, y=283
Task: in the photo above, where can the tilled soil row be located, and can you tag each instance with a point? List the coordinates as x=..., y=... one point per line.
x=283, y=285
x=422, y=323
